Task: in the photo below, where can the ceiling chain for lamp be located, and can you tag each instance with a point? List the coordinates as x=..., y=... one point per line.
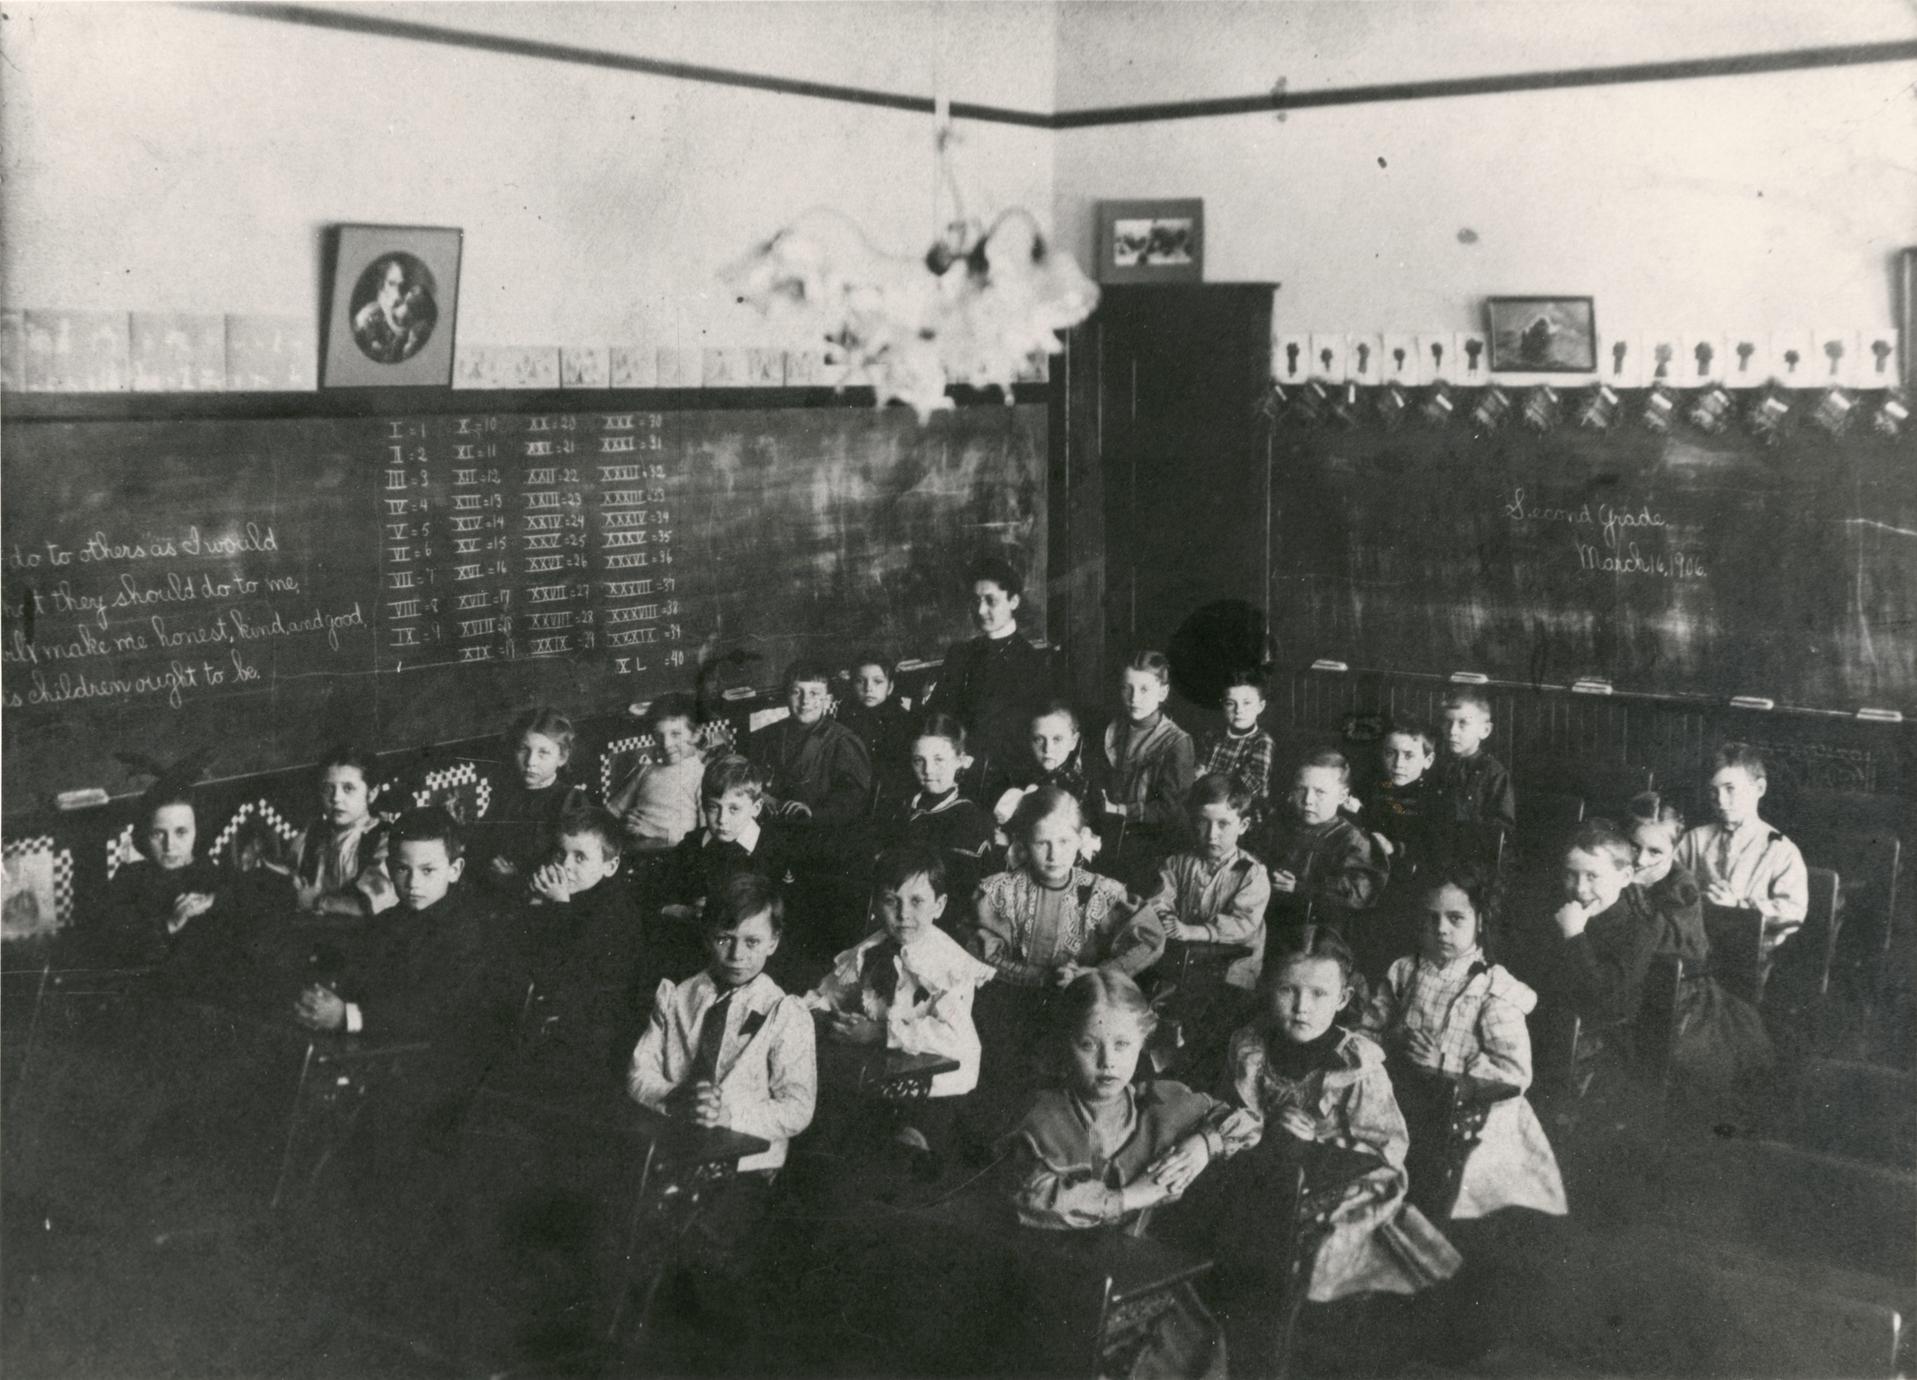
x=982, y=305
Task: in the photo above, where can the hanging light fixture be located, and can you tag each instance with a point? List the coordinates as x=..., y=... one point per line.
x=983, y=305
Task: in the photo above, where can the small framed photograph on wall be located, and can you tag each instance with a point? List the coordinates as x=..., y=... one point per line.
x=1542, y=335
x=1151, y=241
x=392, y=295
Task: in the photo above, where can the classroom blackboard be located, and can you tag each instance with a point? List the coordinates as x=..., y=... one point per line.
x=1684, y=564
x=406, y=575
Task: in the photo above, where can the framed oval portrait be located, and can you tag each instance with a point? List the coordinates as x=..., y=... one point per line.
x=392, y=299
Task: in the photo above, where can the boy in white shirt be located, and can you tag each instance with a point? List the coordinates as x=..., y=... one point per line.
x=1741, y=860
x=909, y=986
x=728, y=1048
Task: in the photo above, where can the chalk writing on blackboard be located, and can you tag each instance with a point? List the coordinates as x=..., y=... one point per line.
x=271, y=584
x=1619, y=537
x=118, y=624
x=511, y=538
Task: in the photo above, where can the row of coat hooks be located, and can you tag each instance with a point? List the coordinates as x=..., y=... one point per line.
x=1770, y=413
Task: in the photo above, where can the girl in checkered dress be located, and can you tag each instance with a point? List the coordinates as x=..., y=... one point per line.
x=1451, y=1010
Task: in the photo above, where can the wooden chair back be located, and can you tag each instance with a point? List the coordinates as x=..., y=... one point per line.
x=1822, y=921
x=1870, y=861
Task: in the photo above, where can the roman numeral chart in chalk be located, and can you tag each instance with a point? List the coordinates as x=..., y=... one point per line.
x=519, y=538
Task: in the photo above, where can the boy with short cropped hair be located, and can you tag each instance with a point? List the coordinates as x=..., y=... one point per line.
x=1242, y=750
x=583, y=946
x=429, y=970
x=1477, y=802
x=729, y=1048
x=1740, y=860
x=734, y=836
x=1320, y=860
x=814, y=766
x=873, y=712
x=909, y=985
x=658, y=804
x=1400, y=810
x=437, y=970
x=1214, y=891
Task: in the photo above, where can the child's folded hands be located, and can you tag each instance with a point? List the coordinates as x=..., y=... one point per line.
x=1177, y=1167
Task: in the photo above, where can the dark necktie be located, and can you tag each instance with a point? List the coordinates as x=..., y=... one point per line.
x=879, y=972
x=712, y=1034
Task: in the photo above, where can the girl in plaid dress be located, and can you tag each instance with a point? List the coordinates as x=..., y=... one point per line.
x=1452, y=1011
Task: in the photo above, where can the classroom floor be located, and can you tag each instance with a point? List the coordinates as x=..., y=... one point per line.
x=1663, y=1270
x=1775, y=1241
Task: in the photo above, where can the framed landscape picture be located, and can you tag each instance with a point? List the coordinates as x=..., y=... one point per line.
x=392, y=295
x=1542, y=335
x=1151, y=241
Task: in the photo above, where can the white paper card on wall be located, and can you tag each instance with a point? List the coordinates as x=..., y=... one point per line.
x=1438, y=358
x=1291, y=358
x=13, y=350
x=677, y=368
x=1328, y=358
x=1620, y=361
x=805, y=368
x=1401, y=363
x=584, y=366
x=724, y=367
x=271, y=354
x=1836, y=360
x=1878, y=357
x=1746, y=360
x=633, y=366
x=178, y=352
x=77, y=351
x=506, y=366
x=765, y=368
x=1364, y=356
x=1790, y=362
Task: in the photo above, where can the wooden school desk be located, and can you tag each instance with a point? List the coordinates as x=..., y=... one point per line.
x=573, y=1208
x=1446, y=1113
x=887, y=1075
x=269, y=1101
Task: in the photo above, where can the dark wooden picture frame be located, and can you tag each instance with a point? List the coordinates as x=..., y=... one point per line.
x=1151, y=241
x=1541, y=335
x=392, y=300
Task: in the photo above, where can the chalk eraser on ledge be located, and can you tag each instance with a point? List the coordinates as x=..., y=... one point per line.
x=85, y=799
x=1470, y=678
x=1881, y=716
x=1591, y=687
x=1325, y=663
x=1752, y=702
x=738, y=692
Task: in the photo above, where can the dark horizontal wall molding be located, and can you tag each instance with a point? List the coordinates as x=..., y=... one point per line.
x=508, y=46
x=1688, y=69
